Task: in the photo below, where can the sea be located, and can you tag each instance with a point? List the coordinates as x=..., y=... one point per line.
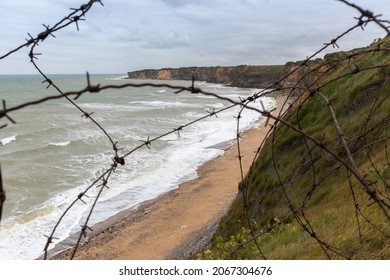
x=52, y=153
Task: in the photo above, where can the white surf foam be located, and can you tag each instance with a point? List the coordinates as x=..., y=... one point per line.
x=60, y=144
x=7, y=140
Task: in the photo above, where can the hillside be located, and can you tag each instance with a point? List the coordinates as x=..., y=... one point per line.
x=319, y=188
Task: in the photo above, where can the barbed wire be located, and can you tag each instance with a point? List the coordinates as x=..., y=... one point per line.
x=343, y=155
x=2, y=195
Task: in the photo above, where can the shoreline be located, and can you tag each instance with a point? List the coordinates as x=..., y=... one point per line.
x=179, y=223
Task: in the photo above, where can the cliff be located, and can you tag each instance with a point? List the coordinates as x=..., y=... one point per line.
x=239, y=76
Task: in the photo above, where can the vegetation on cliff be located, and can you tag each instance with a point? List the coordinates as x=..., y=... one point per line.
x=307, y=195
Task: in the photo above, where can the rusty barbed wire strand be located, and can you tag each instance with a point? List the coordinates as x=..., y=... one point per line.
x=243, y=187
x=85, y=226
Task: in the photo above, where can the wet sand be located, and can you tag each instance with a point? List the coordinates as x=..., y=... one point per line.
x=180, y=223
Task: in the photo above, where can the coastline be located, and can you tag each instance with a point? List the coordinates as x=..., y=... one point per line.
x=177, y=224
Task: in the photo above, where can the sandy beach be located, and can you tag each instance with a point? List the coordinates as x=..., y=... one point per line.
x=181, y=222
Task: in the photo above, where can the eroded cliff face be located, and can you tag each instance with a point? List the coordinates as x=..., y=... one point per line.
x=164, y=75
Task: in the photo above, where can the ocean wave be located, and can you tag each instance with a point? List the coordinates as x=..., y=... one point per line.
x=29, y=216
x=7, y=140
x=164, y=104
x=120, y=78
x=216, y=86
x=60, y=144
x=217, y=105
x=107, y=107
x=193, y=115
x=206, y=97
x=42, y=149
x=134, y=106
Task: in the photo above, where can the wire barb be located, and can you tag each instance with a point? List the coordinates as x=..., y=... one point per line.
x=3, y=113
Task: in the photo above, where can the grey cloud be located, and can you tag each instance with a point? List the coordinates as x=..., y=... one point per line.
x=171, y=40
x=181, y=3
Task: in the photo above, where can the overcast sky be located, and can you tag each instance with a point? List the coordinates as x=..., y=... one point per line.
x=127, y=35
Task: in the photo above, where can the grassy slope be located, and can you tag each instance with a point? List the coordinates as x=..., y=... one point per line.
x=337, y=209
